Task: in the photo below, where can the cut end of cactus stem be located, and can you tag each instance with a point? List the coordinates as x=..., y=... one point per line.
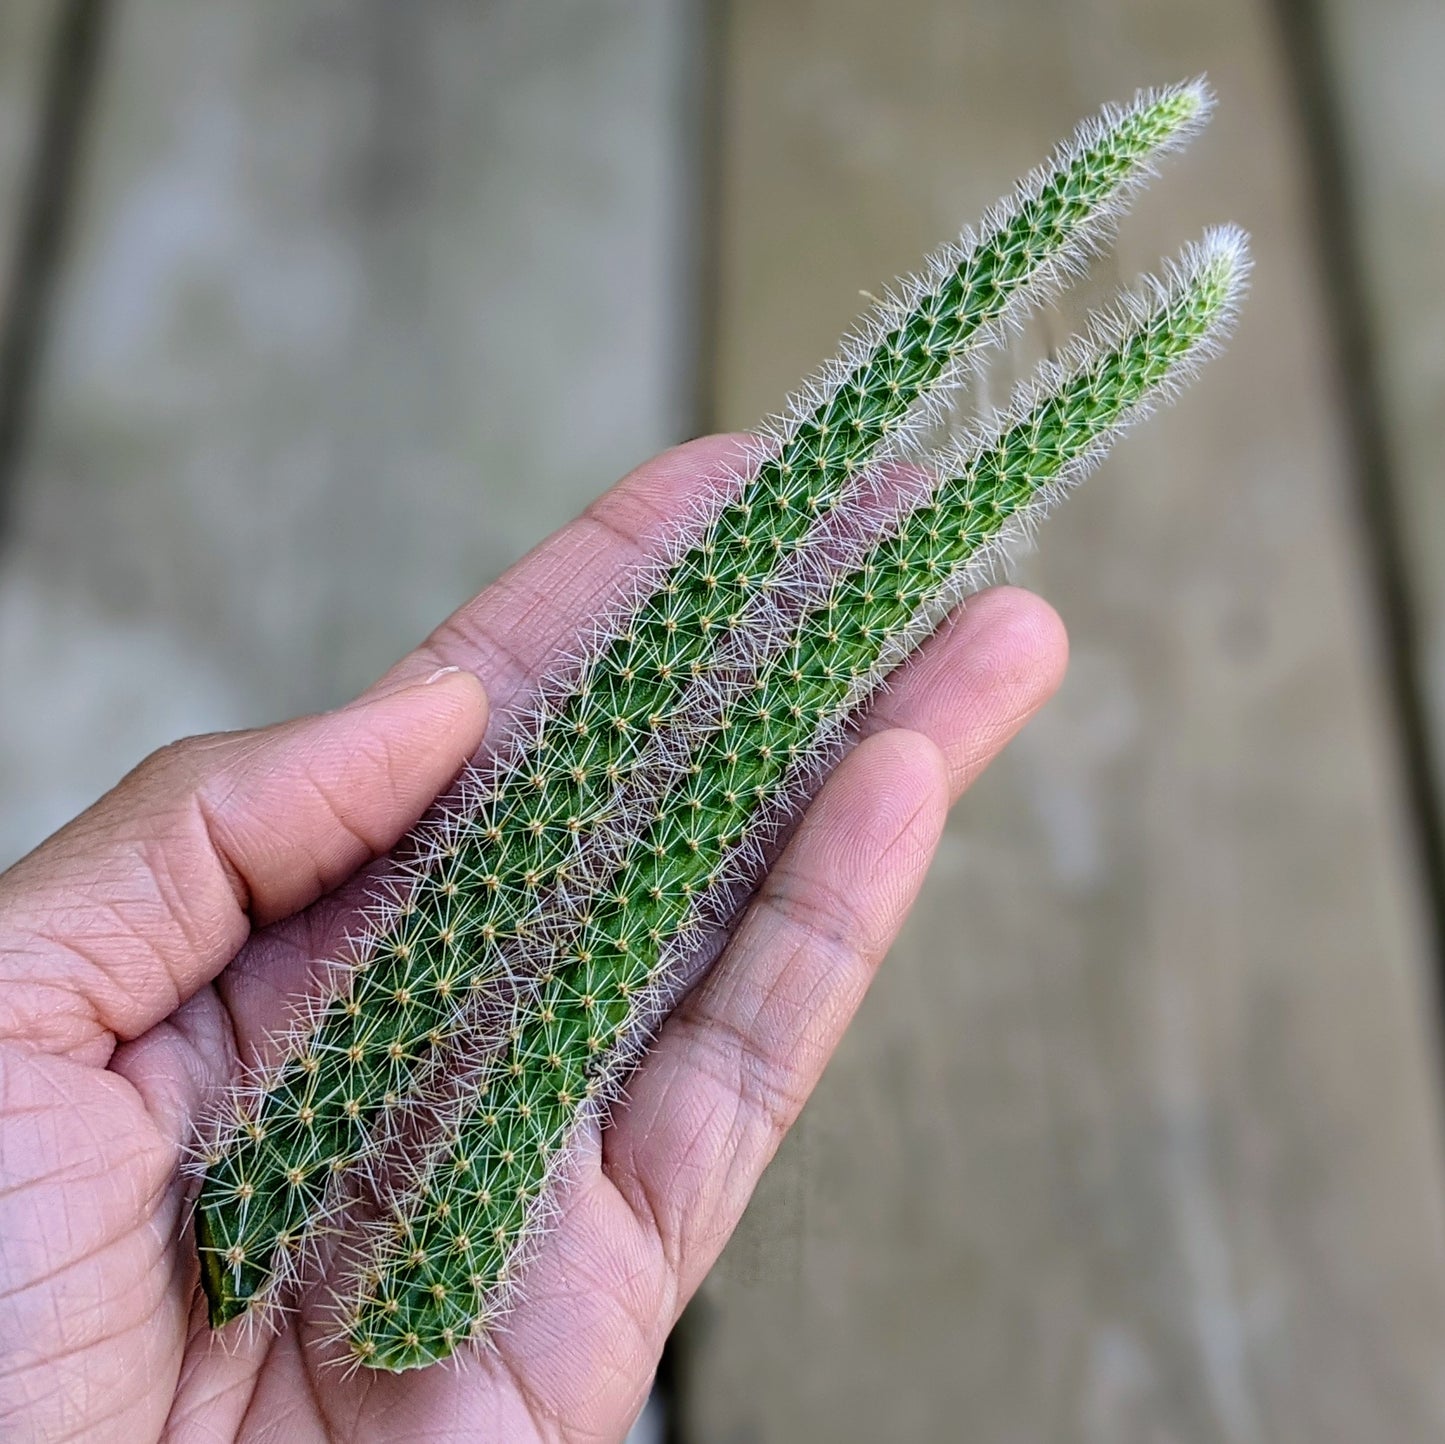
x=462, y=938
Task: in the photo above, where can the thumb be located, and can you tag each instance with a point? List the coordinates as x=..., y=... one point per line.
x=111, y=924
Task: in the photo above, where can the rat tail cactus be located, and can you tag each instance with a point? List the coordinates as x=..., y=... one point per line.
x=534, y=927
x=438, y=1268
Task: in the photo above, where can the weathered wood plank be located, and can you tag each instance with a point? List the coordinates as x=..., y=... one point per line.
x=1383, y=62
x=365, y=299
x=26, y=27
x=1136, y=1138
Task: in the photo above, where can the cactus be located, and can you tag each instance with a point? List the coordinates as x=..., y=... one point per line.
x=443, y=943
x=438, y=1270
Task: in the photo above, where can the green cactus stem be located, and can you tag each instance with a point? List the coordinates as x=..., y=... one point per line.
x=275, y=1164
x=442, y=1265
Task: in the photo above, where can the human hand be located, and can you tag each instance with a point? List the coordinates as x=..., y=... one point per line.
x=150, y=947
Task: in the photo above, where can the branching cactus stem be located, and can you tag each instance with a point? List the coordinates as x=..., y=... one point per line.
x=440, y=1268
x=443, y=937
x=541, y=922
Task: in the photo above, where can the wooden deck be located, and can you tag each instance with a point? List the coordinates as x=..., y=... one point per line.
x=1139, y=1136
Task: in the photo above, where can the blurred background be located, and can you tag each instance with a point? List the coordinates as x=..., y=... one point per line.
x=314, y=314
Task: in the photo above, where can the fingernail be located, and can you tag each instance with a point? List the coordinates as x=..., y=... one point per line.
x=382, y=690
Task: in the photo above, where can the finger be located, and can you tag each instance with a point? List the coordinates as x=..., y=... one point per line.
x=970, y=686
x=529, y=620
x=731, y=1069
x=728, y=1073
x=124, y=913
x=530, y=617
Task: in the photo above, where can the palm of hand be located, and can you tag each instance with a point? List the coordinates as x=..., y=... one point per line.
x=117, y=1023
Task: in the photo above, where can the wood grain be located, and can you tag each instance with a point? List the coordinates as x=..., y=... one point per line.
x=365, y=299
x=1137, y=1137
x=26, y=27
x=1381, y=67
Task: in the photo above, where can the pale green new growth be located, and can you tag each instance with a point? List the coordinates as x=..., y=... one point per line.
x=450, y=936
x=440, y=1268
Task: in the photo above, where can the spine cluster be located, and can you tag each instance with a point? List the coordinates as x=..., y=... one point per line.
x=439, y=1267
x=545, y=906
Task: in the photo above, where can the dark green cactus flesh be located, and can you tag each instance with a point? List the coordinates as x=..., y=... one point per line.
x=440, y=1266
x=663, y=713
x=273, y=1173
